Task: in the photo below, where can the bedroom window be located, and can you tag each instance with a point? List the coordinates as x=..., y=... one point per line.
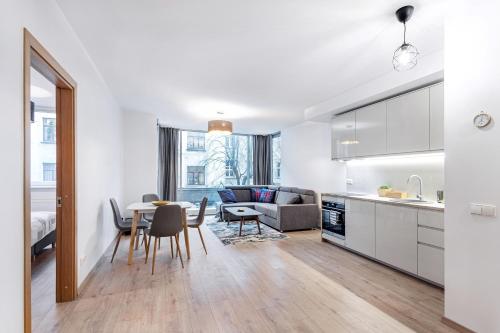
x=49, y=172
x=49, y=130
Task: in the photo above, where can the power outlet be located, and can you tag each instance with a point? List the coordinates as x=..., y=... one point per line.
x=349, y=181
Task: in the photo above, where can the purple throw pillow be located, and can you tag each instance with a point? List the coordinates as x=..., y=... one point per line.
x=267, y=196
x=255, y=194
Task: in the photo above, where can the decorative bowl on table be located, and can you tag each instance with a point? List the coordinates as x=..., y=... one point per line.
x=160, y=202
x=241, y=210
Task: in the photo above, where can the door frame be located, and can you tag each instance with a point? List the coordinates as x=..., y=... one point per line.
x=36, y=56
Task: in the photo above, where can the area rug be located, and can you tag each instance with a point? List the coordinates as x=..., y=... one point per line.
x=229, y=235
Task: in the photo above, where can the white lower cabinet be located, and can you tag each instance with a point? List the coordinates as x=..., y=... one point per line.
x=431, y=263
x=396, y=236
x=360, y=229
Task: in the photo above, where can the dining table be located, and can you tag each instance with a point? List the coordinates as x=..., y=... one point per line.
x=139, y=208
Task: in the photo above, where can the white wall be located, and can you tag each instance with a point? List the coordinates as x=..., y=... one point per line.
x=99, y=152
x=306, y=159
x=141, y=155
x=472, y=256
x=368, y=175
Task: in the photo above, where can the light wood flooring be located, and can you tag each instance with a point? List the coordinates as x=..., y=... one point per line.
x=43, y=285
x=298, y=284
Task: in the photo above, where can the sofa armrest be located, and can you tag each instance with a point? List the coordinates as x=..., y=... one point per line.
x=297, y=217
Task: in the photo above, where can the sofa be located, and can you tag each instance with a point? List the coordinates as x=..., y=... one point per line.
x=305, y=214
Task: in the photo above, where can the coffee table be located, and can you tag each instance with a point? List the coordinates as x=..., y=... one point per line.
x=245, y=213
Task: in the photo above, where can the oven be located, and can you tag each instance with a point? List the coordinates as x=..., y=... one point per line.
x=333, y=218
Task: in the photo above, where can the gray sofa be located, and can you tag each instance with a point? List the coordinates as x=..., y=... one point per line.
x=281, y=216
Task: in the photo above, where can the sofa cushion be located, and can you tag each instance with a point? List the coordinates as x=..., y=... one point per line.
x=255, y=194
x=307, y=196
x=267, y=196
x=267, y=209
x=242, y=195
x=239, y=204
x=227, y=196
x=287, y=198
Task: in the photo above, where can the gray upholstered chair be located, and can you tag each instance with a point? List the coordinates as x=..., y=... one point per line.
x=198, y=220
x=123, y=225
x=167, y=222
x=148, y=217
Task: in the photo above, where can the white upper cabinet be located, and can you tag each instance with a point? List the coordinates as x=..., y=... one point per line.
x=371, y=130
x=408, y=122
x=360, y=226
x=344, y=135
x=436, y=103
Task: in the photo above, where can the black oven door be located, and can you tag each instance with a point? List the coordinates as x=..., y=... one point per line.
x=333, y=222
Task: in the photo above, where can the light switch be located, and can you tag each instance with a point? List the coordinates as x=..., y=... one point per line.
x=349, y=181
x=484, y=210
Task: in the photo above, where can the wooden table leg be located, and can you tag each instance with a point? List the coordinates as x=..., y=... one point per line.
x=242, y=220
x=135, y=222
x=258, y=224
x=186, y=235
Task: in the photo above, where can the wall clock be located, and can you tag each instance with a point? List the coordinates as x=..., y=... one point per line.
x=482, y=120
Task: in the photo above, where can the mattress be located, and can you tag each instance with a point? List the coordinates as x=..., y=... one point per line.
x=41, y=224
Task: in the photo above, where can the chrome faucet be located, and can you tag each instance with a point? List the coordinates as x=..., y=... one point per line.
x=419, y=196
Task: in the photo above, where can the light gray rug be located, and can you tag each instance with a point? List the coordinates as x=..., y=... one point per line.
x=230, y=234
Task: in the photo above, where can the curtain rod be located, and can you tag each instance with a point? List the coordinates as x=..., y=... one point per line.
x=158, y=124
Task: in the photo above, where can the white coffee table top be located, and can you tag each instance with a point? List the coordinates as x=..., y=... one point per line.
x=244, y=213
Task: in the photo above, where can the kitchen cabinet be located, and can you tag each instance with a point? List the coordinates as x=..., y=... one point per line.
x=371, y=130
x=360, y=226
x=436, y=105
x=396, y=236
x=408, y=122
x=431, y=263
x=344, y=136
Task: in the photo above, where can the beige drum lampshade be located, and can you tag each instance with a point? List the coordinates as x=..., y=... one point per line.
x=220, y=126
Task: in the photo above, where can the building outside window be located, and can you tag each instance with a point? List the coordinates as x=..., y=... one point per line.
x=276, y=143
x=49, y=172
x=196, y=175
x=196, y=141
x=229, y=169
x=49, y=130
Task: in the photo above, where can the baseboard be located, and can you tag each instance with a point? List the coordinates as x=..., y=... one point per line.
x=91, y=273
x=456, y=326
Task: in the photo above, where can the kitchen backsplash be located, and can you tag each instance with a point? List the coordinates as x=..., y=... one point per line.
x=368, y=175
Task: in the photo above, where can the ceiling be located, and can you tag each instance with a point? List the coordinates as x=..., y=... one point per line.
x=261, y=62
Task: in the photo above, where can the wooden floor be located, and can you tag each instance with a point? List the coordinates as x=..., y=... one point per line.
x=298, y=284
x=43, y=285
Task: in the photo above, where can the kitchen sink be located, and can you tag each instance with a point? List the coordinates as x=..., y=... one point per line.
x=411, y=200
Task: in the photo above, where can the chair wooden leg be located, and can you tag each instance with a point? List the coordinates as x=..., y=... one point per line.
x=137, y=236
x=172, y=247
x=154, y=256
x=202, y=241
x=179, y=249
x=148, y=245
x=116, y=245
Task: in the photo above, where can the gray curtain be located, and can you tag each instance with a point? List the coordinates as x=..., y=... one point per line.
x=262, y=160
x=167, y=162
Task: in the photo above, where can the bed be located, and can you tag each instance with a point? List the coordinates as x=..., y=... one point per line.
x=43, y=231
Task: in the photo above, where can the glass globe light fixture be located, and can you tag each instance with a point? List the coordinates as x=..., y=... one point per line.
x=406, y=56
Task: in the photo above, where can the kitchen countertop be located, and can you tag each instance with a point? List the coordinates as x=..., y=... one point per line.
x=375, y=198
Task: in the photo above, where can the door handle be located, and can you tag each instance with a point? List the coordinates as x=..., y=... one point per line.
x=59, y=202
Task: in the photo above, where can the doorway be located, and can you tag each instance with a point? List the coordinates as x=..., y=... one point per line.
x=58, y=129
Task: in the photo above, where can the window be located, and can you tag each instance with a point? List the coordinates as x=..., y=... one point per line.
x=49, y=130
x=196, y=175
x=276, y=143
x=229, y=168
x=196, y=141
x=49, y=172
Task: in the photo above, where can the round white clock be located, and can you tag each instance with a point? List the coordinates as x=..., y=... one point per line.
x=482, y=119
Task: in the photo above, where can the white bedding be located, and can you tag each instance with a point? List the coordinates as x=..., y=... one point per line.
x=41, y=224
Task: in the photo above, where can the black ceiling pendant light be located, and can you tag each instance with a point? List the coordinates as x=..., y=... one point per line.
x=405, y=57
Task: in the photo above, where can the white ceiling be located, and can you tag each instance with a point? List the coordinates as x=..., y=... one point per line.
x=262, y=62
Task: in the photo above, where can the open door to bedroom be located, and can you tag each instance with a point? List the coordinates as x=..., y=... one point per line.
x=49, y=184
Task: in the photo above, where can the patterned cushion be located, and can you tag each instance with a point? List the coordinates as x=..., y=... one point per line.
x=227, y=196
x=255, y=194
x=267, y=196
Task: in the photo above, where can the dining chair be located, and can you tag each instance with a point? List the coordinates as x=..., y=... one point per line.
x=148, y=217
x=123, y=225
x=197, y=221
x=167, y=222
